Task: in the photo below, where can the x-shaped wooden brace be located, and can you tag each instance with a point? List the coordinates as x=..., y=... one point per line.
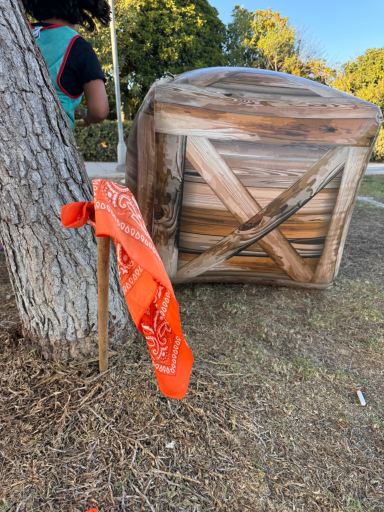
x=258, y=225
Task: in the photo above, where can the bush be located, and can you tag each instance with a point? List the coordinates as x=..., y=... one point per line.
x=98, y=142
x=378, y=152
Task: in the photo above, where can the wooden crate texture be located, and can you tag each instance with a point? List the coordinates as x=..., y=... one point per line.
x=247, y=175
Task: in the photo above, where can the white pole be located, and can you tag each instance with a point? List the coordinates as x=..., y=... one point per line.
x=121, y=147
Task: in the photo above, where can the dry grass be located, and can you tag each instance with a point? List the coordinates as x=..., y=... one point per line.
x=271, y=421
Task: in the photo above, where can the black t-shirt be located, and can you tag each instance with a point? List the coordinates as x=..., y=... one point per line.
x=82, y=65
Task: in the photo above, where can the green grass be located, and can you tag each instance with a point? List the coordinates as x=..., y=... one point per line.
x=376, y=422
x=258, y=465
x=373, y=186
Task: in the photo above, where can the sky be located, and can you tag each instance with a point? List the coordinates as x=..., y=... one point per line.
x=346, y=29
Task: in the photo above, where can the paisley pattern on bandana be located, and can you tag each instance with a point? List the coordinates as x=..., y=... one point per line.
x=162, y=342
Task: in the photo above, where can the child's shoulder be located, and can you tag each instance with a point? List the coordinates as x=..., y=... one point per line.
x=47, y=33
x=78, y=44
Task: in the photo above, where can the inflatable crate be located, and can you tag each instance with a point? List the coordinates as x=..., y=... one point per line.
x=249, y=176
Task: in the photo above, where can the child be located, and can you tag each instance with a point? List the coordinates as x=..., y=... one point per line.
x=72, y=62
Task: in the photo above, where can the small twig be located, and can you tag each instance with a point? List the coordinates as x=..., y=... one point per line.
x=99, y=375
x=134, y=455
x=144, y=497
x=262, y=440
x=56, y=450
x=185, y=487
x=123, y=500
x=236, y=374
x=177, y=475
x=148, y=484
x=212, y=362
x=98, y=416
x=146, y=426
x=144, y=449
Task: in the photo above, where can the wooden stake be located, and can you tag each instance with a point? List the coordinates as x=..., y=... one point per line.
x=103, y=244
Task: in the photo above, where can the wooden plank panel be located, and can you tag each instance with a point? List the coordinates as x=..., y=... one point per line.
x=307, y=86
x=244, y=264
x=192, y=121
x=252, y=177
x=207, y=222
x=199, y=195
x=246, y=279
x=353, y=173
x=197, y=243
x=270, y=217
x=321, y=89
x=146, y=163
x=221, y=179
x=296, y=81
x=243, y=206
x=283, y=92
x=131, y=165
x=286, y=153
x=170, y=154
x=207, y=76
x=138, y=159
x=238, y=264
x=257, y=78
x=268, y=166
x=266, y=104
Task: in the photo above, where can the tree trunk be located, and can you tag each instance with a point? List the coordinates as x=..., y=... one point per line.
x=52, y=269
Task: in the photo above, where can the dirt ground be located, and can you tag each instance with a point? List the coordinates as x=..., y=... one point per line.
x=271, y=421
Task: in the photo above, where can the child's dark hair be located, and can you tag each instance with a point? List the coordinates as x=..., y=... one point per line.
x=80, y=12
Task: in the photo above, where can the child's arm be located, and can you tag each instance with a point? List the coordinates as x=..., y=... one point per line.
x=97, y=103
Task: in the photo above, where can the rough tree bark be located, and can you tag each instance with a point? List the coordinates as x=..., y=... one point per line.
x=52, y=269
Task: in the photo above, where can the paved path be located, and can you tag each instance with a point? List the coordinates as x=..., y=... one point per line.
x=108, y=171
x=375, y=169
x=371, y=201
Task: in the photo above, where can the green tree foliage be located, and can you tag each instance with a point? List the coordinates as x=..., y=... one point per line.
x=364, y=77
x=156, y=36
x=378, y=152
x=274, y=37
x=166, y=35
x=239, y=51
x=265, y=39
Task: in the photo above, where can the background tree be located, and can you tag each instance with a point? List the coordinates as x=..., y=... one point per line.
x=52, y=269
x=265, y=39
x=156, y=36
x=274, y=37
x=364, y=78
x=239, y=51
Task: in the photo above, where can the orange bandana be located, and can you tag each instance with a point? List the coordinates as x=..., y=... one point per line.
x=146, y=286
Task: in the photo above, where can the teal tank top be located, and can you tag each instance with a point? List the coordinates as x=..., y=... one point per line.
x=55, y=43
